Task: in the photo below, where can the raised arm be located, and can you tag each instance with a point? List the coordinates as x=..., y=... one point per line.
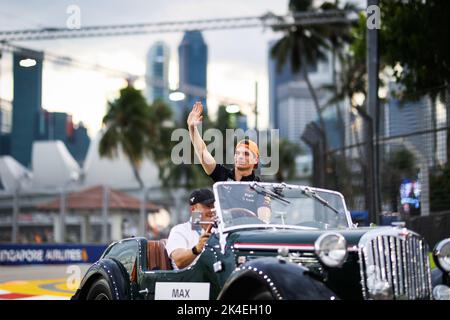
x=195, y=118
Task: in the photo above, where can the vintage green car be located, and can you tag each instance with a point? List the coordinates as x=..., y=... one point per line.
x=277, y=241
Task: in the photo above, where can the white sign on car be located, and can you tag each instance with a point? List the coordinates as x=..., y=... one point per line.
x=182, y=291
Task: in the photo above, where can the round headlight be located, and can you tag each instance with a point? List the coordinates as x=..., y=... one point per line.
x=441, y=292
x=331, y=248
x=441, y=255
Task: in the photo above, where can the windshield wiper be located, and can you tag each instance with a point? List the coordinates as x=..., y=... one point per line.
x=268, y=193
x=312, y=194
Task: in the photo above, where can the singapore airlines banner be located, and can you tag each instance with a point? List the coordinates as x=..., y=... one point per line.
x=15, y=254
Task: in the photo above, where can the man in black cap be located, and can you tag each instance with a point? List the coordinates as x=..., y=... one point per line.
x=185, y=243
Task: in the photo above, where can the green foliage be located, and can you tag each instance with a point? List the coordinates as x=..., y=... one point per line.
x=415, y=35
x=224, y=120
x=182, y=175
x=301, y=46
x=159, y=138
x=358, y=39
x=304, y=45
x=129, y=127
x=440, y=190
x=138, y=129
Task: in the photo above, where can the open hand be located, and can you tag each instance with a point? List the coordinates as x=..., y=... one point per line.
x=195, y=116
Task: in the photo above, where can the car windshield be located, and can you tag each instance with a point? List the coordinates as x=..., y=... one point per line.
x=264, y=204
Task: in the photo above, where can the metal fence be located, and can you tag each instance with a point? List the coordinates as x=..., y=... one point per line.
x=410, y=176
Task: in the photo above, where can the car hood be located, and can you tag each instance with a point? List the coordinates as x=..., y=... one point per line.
x=267, y=238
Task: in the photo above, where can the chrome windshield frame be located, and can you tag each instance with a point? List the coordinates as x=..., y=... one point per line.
x=224, y=229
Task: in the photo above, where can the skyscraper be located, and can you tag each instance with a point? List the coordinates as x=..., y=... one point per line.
x=26, y=103
x=5, y=127
x=5, y=116
x=193, y=60
x=157, y=73
x=59, y=126
x=291, y=106
x=80, y=143
x=406, y=117
x=295, y=110
x=276, y=79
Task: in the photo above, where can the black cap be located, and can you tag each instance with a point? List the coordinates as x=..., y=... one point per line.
x=203, y=196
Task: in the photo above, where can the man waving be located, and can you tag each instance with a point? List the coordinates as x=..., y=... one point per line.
x=246, y=154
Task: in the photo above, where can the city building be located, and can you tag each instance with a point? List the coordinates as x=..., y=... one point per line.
x=276, y=79
x=405, y=117
x=193, y=60
x=291, y=106
x=24, y=121
x=5, y=116
x=27, y=75
x=295, y=110
x=80, y=143
x=55, y=172
x=117, y=172
x=5, y=127
x=59, y=126
x=157, y=72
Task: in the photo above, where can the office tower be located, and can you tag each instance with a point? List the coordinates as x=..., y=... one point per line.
x=193, y=60
x=291, y=106
x=59, y=126
x=5, y=127
x=157, y=72
x=406, y=117
x=27, y=75
x=276, y=79
x=80, y=143
x=295, y=110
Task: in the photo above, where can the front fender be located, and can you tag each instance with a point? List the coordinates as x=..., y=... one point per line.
x=439, y=277
x=284, y=280
x=110, y=270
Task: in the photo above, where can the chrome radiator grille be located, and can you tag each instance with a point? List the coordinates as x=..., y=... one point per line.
x=394, y=262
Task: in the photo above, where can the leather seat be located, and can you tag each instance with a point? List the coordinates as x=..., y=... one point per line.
x=157, y=258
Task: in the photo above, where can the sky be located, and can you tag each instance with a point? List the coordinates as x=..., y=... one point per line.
x=236, y=58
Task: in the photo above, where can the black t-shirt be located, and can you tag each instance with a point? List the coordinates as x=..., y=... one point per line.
x=221, y=173
x=235, y=196
x=248, y=199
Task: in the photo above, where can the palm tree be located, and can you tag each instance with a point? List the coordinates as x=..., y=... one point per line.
x=159, y=142
x=339, y=37
x=303, y=46
x=352, y=81
x=128, y=127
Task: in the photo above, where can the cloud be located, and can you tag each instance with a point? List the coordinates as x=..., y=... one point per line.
x=236, y=57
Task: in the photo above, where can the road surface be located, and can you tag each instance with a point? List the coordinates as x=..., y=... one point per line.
x=40, y=282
